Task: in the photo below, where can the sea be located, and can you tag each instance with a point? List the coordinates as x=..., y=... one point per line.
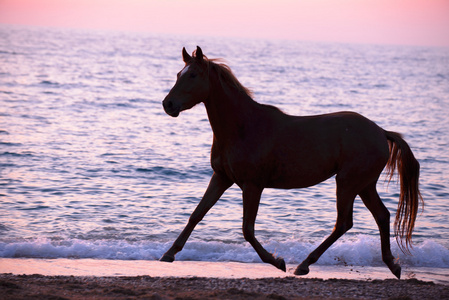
x=91, y=167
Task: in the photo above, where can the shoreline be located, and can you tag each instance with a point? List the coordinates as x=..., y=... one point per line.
x=225, y=270
x=111, y=279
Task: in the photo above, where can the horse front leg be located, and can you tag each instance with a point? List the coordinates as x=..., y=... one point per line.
x=217, y=186
x=251, y=200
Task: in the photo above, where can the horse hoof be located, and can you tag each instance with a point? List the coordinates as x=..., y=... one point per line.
x=302, y=270
x=167, y=258
x=396, y=270
x=280, y=264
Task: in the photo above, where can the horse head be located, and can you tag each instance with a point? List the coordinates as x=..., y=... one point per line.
x=192, y=84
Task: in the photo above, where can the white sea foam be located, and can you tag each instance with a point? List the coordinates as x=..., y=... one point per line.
x=364, y=251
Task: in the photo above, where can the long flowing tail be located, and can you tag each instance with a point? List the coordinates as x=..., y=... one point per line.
x=402, y=158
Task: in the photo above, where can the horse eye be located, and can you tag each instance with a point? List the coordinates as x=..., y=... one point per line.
x=192, y=75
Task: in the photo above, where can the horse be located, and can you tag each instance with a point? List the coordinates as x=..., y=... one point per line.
x=257, y=146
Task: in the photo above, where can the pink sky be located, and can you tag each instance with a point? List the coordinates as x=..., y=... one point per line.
x=412, y=22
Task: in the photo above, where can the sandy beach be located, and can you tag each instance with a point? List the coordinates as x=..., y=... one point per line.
x=110, y=279
x=146, y=287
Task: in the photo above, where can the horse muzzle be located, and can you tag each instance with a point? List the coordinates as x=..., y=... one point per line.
x=170, y=108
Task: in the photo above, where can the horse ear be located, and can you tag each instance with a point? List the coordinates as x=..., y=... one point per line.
x=185, y=56
x=199, y=53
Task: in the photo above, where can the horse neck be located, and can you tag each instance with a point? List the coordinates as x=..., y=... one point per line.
x=228, y=110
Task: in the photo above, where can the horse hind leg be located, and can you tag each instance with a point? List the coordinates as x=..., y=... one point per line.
x=345, y=204
x=372, y=201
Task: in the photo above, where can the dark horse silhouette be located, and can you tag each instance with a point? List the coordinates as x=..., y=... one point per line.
x=257, y=146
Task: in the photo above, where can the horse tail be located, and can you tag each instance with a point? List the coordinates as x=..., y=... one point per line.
x=402, y=158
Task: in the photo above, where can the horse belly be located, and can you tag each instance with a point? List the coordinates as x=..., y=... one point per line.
x=296, y=182
x=299, y=169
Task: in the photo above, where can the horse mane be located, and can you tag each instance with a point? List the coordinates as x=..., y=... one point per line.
x=225, y=74
x=227, y=79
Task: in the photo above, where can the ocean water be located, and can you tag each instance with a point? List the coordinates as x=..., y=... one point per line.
x=92, y=167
